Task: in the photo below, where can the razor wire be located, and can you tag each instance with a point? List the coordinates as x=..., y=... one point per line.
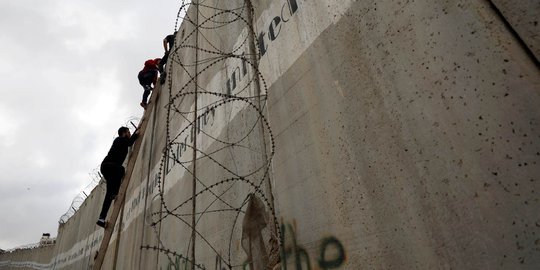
x=49, y=242
x=79, y=199
x=225, y=193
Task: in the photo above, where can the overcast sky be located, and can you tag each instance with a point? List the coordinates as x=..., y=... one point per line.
x=69, y=80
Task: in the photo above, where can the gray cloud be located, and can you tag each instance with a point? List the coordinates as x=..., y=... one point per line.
x=68, y=72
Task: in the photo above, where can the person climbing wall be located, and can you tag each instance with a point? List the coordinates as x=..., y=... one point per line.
x=147, y=78
x=168, y=43
x=112, y=169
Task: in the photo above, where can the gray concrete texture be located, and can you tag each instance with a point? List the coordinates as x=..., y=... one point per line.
x=378, y=135
x=36, y=258
x=523, y=18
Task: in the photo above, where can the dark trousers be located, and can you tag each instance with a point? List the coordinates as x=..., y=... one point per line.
x=113, y=174
x=163, y=62
x=147, y=90
x=146, y=79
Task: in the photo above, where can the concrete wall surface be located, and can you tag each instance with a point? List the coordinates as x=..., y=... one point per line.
x=332, y=135
x=523, y=17
x=36, y=258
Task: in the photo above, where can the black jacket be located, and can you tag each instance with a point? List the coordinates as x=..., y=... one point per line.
x=119, y=150
x=170, y=40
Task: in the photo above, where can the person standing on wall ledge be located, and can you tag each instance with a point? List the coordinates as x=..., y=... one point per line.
x=112, y=168
x=168, y=43
x=148, y=77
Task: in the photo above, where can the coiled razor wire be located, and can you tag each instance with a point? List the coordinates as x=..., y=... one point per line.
x=250, y=139
x=79, y=199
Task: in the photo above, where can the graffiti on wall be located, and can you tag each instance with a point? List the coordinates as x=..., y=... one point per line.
x=274, y=26
x=329, y=254
x=182, y=263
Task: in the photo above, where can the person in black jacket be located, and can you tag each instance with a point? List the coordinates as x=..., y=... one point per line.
x=112, y=168
x=168, y=43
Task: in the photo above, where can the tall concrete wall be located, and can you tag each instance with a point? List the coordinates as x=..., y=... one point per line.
x=36, y=258
x=369, y=135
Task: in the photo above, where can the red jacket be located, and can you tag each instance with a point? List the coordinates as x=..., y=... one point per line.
x=149, y=73
x=150, y=64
